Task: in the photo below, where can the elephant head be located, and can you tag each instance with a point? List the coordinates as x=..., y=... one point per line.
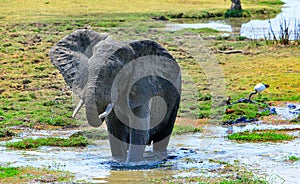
x=120, y=77
x=71, y=56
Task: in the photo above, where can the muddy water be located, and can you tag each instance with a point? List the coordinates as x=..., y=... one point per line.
x=190, y=156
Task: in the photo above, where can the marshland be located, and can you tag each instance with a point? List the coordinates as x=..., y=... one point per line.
x=212, y=141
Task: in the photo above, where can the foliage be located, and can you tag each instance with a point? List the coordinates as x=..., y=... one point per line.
x=32, y=175
x=79, y=141
x=108, y=9
x=4, y=132
x=247, y=110
x=6, y=172
x=273, y=2
x=243, y=72
x=237, y=13
x=245, y=180
x=293, y=158
x=182, y=129
x=286, y=35
x=256, y=136
x=94, y=133
x=199, y=30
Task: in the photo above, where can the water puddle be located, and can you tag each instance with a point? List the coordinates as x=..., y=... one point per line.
x=190, y=155
x=254, y=29
x=289, y=112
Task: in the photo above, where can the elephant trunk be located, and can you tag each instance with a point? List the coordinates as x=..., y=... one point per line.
x=96, y=108
x=92, y=116
x=92, y=108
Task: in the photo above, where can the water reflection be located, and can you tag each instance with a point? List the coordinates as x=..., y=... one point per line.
x=260, y=28
x=254, y=29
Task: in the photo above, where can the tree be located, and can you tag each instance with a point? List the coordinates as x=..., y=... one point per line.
x=236, y=5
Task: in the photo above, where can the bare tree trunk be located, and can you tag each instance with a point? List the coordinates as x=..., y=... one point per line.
x=236, y=5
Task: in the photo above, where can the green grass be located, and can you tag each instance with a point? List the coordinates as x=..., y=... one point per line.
x=244, y=180
x=10, y=174
x=34, y=93
x=243, y=72
x=6, y=172
x=248, y=110
x=77, y=141
x=237, y=13
x=199, y=30
x=273, y=2
x=94, y=133
x=182, y=129
x=34, y=10
x=293, y=158
x=256, y=136
x=4, y=132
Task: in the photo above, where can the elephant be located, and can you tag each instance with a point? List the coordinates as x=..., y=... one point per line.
x=134, y=86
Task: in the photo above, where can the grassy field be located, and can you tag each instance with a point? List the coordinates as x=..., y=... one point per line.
x=35, y=10
x=33, y=93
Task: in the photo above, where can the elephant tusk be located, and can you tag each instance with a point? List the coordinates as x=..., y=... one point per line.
x=78, y=107
x=107, y=111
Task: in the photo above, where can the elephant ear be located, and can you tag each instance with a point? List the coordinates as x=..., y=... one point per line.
x=71, y=54
x=154, y=70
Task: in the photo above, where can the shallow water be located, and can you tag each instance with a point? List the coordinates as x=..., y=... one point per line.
x=190, y=155
x=260, y=28
x=254, y=29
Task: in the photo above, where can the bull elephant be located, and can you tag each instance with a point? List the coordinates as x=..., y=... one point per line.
x=135, y=86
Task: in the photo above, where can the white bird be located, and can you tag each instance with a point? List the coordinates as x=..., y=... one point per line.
x=258, y=88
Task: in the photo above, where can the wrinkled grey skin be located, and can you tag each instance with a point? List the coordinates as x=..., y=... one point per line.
x=140, y=79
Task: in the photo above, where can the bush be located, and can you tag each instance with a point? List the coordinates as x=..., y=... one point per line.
x=237, y=13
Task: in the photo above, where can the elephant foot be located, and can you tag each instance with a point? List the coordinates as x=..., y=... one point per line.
x=160, y=155
x=119, y=159
x=135, y=153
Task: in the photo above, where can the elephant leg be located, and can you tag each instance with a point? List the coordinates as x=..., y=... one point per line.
x=139, y=133
x=118, y=137
x=160, y=147
x=135, y=153
x=118, y=148
x=162, y=132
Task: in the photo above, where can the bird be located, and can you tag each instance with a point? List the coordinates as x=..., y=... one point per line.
x=258, y=88
x=228, y=100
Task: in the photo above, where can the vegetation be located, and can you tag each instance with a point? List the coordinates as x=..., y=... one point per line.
x=54, y=10
x=182, y=129
x=6, y=172
x=33, y=93
x=32, y=175
x=288, y=34
x=250, y=111
x=244, y=181
x=32, y=90
x=94, y=133
x=4, y=132
x=237, y=13
x=293, y=158
x=257, y=136
x=76, y=141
